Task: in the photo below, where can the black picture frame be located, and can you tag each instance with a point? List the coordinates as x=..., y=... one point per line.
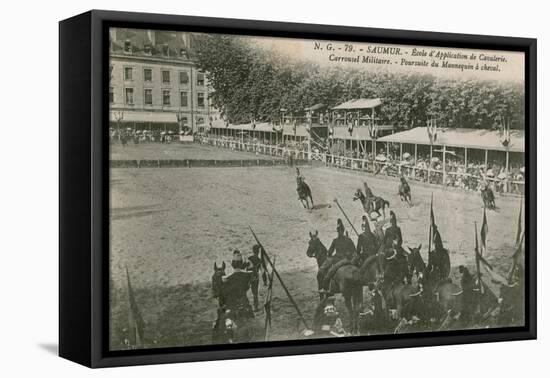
x=84, y=185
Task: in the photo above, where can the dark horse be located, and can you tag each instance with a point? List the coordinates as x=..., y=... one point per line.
x=488, y=197
x=439, y=293
x=317, y=250
x=304, y=192
x=371, y=203
x=347, y=279
x=235, y=322
x=405, y=191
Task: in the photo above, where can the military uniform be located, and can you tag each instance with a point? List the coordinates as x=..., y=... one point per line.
x=393, y=243
x=237, y=285
x=340, y=252
x=393, y=237
x=342, y=247
x=367, y=245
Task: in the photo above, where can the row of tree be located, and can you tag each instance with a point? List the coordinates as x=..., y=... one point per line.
x=250, y=83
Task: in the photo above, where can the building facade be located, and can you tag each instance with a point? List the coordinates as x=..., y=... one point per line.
x=155, y=83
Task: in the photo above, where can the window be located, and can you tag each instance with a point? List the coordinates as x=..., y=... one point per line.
x=200, y=121
x=147, y=74
x=127, y=46
x=148, y=97
x=184, y=99
x=200, y=79
x=184, y=78
x=165, y=97
x=200, y=100
x=127, y=73
x=184, y=121
x=111, y=96
x=129, y=96
x=166, y=77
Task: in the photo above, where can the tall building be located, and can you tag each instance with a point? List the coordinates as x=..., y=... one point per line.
x=155, y=84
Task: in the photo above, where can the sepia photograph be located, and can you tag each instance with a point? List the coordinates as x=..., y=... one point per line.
x=269, y=189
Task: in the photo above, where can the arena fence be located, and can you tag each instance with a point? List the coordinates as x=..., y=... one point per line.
x=449, y=178
x=198, y=163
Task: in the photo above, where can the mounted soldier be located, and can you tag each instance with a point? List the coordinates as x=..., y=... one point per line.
x=368, y=191
x=367, y=243
x=236, y=287
x=396, y=258
x=303, y=190
x=340, y=253
x=299, y=177
x=439, y=264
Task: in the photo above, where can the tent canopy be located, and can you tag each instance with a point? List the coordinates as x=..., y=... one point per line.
x=460, y=137
x=357, y=104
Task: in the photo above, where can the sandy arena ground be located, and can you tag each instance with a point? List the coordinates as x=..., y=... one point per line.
x=169, y=226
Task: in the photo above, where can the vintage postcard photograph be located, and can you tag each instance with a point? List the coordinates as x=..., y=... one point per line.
x=266, y=189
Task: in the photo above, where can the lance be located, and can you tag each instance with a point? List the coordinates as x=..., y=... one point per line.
x=266, y=256
x=345, y=215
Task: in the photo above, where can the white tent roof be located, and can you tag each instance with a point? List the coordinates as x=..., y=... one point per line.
x=360, y=103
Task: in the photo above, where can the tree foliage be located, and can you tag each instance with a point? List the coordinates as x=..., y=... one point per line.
x=250, y=83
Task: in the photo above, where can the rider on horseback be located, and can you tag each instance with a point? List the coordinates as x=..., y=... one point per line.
x=299, y=177
x=395, y=254
x=368, y=191
x=340, y=253
x=367, y=244
x=238, y=284
x=438, y=268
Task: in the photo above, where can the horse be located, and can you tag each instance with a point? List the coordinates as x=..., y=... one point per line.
x=317, y=250
x=372, y=204
x=217, y=283
x=235, y=322
x=347, y=279
x=304, y=193
x=488, y=198
x=405, y=191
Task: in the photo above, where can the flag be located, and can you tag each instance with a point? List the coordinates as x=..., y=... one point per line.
x=432, y=224
x=484, y=231
x=135, y=321
x=432, y=130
